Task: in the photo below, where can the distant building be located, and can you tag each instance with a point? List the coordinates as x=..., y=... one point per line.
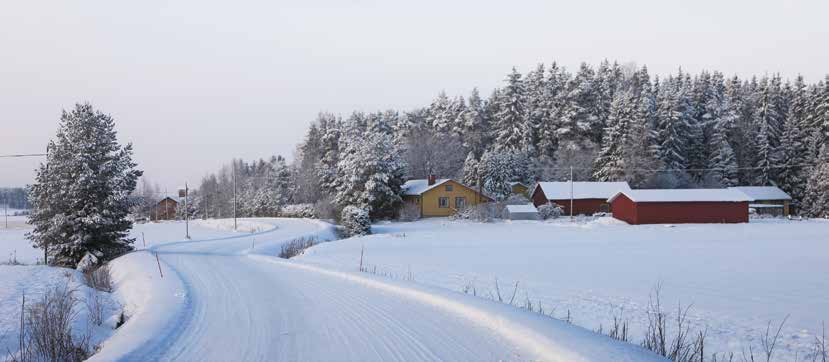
x=521, y=212
x=519, y=188
x=441, y=197
x=164, y=210
x=588, y=198
x=680, y=206
x=768, y=200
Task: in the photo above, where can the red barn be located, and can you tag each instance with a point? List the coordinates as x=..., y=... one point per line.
x=680, y=206
x=588, y=197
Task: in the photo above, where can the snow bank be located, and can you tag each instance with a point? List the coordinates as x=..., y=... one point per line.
x=151, y=303
x=34, y=281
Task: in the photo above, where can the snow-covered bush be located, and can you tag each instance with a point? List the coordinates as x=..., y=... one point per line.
x=409, y=212
x=356, y=220
x=298, y=211
x=550, y=211
x=485, y=212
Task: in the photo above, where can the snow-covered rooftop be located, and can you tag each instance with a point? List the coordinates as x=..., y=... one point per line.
x=684, y=195
x=419, y=186
x=582, y=190
x=521, y=208
x=757, y=193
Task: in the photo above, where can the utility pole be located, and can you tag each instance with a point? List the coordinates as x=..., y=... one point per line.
x=186, y=214
x=6, y=208
x=234, y=194
x=45, y=241
x=572, y=219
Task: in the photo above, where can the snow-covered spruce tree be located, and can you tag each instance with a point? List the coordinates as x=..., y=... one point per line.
x=496, y=175
x=329, y=149
x=609, y=165
x=723, y=163
x=510, y=123
x=356, y=220
x=792, y=176
x=370, y=175
x=81, y=195
x=470, y=170
x=816, y=199
x=440, y=115
x=474, y=126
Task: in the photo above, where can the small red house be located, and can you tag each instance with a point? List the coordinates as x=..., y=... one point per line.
x=587, y=197
x=680, y=206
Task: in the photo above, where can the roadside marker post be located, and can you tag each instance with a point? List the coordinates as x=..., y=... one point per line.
x=159, y=266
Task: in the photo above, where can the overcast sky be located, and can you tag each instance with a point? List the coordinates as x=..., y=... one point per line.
x=193, y=84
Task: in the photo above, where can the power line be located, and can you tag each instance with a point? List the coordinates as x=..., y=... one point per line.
x=690, y=169
x=24, y=155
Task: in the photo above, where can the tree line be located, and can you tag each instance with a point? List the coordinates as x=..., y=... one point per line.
x=610, y=122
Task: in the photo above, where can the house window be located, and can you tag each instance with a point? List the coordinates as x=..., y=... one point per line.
x=443, y=202
x=448, y=187
x=460, y=202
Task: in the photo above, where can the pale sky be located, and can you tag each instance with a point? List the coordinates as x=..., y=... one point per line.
x=193, y=84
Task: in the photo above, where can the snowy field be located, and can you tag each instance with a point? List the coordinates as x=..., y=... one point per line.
x=738, y=277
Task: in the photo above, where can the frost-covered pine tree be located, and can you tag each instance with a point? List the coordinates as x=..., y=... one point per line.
x=440, y=114
x=816, y=199
x=370, y=174
x=496, y=175
x=723, y=163
x=331, y=131
x=474, y=126
x=510, y=123
x=674, y=112
x=579, y=119
x=81, y=195
x=470, y=170
x=792, y=176
x=610, y=165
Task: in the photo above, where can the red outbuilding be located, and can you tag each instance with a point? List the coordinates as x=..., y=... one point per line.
x=587, y=198
x=680, y=206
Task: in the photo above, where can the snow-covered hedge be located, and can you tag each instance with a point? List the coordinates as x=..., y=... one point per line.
x=550, y=211
x=298, y=211
x=485, y=212
x=356, y=220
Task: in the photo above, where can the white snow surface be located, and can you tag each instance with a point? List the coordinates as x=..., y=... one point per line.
x=225, y=297
x=759, y=193
x=737, y=276
x=683, y=195
x=581, y=189
x=521, y=208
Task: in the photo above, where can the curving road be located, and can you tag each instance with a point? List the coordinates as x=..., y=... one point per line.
x=244, y=306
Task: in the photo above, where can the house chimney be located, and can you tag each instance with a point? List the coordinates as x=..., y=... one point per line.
x=432, y=180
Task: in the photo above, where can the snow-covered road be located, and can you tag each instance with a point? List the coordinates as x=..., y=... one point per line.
x=234, y=303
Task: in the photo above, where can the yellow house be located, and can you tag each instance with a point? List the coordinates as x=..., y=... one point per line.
x=519, y=188
x=440, y=197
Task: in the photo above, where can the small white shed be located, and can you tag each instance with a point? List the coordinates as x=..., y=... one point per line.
x=521, y=212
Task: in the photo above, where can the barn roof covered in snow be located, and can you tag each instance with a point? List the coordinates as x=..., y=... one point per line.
x=683, y=195
x=581, y=190
x=521, y=208
x=419, y=186
x=761, y=193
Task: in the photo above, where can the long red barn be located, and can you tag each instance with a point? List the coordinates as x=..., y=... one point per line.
x=680, y=206
x=587, y=197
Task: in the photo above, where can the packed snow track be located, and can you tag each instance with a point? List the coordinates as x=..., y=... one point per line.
x=239, y=303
